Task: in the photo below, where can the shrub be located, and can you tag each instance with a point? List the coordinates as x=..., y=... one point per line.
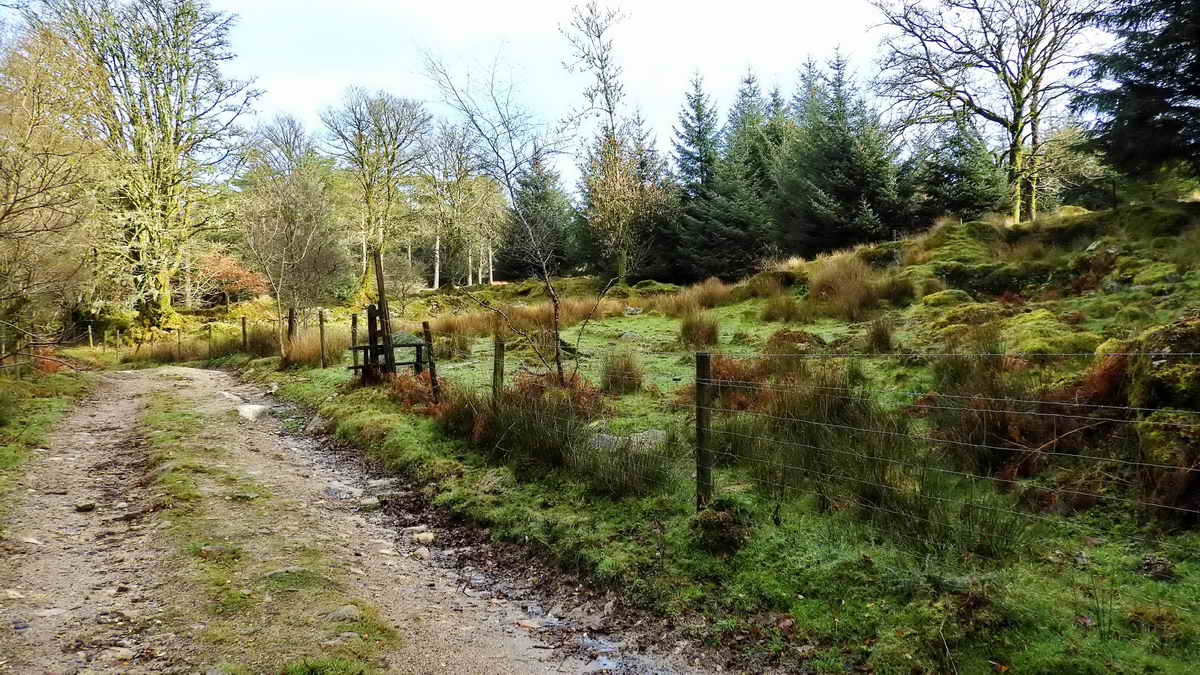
x=712, y=292
x=627, y=467
x=783, y=308
x=897, y=290
x=764, y=285
x=879, y=337
x=535, y=420
x=845, y=286
x=411, y=390
x=699, y=329
x=622, y=373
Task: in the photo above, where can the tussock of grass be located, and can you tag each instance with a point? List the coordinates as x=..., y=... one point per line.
x=622, y=373
x=699, y=329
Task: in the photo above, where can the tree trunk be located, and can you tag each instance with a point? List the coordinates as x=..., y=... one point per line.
x=1016, y=178
x=491, y=265
x=1031, y=186
x=470, y=265
x=437, y=262
x=479, y=273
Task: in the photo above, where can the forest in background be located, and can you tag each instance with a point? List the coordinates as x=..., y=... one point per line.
x=134, y=185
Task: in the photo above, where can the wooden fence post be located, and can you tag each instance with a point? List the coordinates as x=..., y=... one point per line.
x=210, y=345
x=433, y=380
x=704, y=487
x=498, y=369
x=245, y=338
x=354, y=338
x=178, y=344
x=321, y=327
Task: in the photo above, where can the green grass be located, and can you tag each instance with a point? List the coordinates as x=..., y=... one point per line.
x=30, y=406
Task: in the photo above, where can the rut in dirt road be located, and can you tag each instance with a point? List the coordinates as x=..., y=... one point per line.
x=279, y=554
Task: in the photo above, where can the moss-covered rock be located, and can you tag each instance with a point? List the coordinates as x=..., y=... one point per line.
x=971, y=314
x=1157, y=378
x=1040, y=332
x=1156, y=273
x=967, y=243
x=1170, y=439
x=881, y=255
x=946, y=298
x=651, y=287
x=994, y=278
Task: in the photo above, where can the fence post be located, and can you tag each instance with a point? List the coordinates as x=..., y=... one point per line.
x=704, y=487
x=210, y=351
x=498, y=369
x=178, y=344
x=91, y=339
x=321, y=327
x=245, y=338
x=354, y=338
x=433, y=381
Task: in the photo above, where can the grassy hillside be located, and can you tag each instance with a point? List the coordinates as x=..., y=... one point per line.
x=968, y=451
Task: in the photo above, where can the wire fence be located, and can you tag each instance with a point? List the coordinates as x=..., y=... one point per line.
x=988, y=464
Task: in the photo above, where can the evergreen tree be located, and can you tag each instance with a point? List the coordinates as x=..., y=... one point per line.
x=748, y=111
x=696, y=139
x=728, y=229
x=776, y=104
x=1151, y=117
x=960, y=176
x=837, y=177
x=548, y=211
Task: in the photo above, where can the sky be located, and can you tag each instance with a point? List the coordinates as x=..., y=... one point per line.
x=304, y=53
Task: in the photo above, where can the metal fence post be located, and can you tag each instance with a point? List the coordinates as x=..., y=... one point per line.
x=433, y=379
x=321, y=328
x=498, y=370
x=704, y=487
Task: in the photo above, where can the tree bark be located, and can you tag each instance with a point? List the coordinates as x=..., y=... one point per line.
x=437, y=262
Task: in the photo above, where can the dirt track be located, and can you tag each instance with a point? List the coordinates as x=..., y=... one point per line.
x=90, y=580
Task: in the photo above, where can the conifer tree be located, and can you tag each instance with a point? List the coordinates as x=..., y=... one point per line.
x=837, y=177
x=960, y=175
x=547, y=210
x=696, y=139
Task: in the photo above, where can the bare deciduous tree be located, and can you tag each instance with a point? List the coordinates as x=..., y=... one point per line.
x=1007, y=62
x=290, y=235
x=509, y=141
x=379, y=138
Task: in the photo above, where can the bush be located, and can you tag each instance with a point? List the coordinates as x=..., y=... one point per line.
x=764, y=285
x=897, y=290
x=783, y=308
x=622, y=373
x=625, y=468
x=879, y=337
x=411, y=390
x=845, y=286
x=699, y=329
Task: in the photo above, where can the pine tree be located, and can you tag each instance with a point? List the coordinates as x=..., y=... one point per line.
x=696, y=139
x=548, y=212
x=837, y=177
x=1150, y=118
x=748, y=111
x=728, y=229
x=960, y=175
